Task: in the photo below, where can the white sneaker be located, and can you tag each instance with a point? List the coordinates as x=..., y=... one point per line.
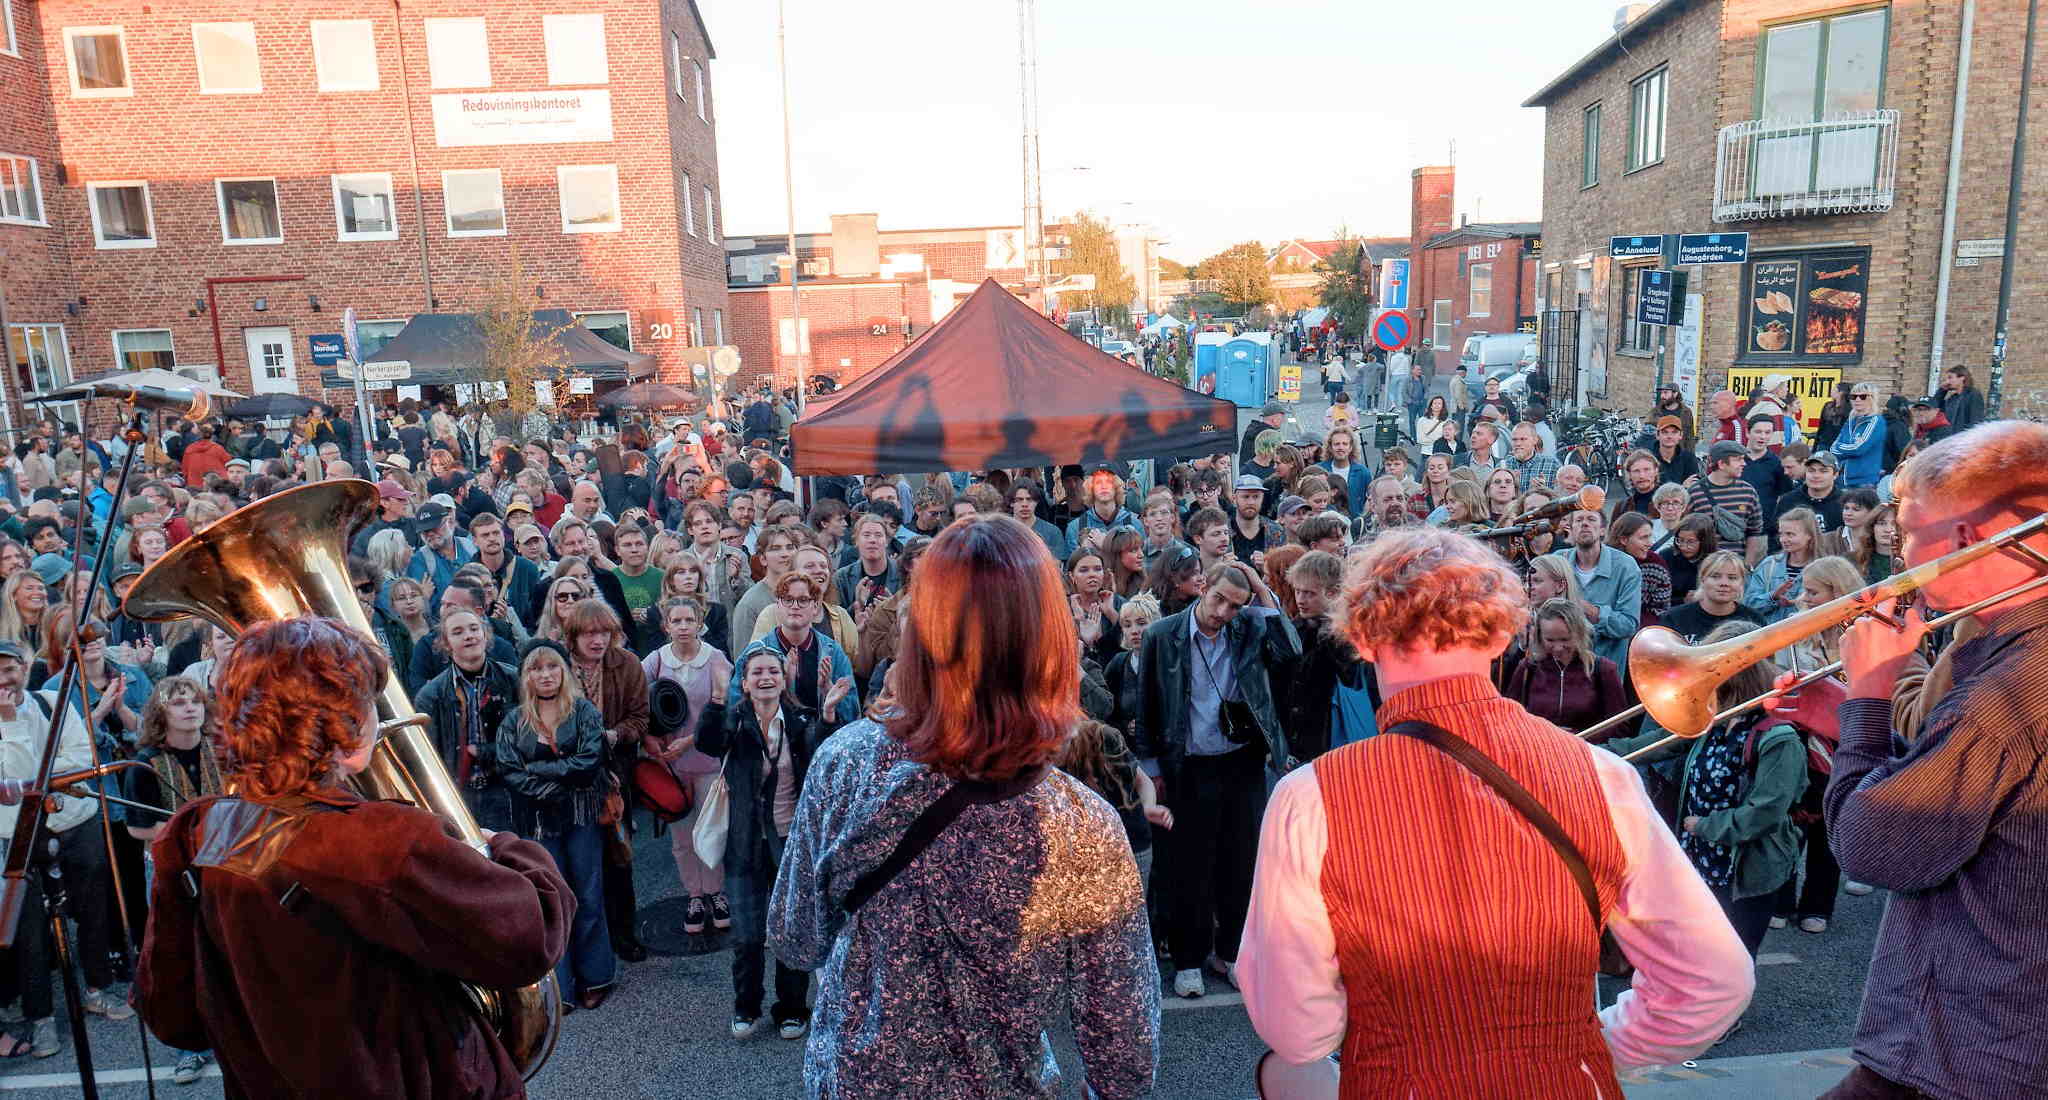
x=1813, y=925
x=793, y=1030
x=44, y=1037
x=743, y=1026
x=1189, y=984
x=190, y=1066
x=1779, y=922
x=110, y=1005
x=1227, y=970
x=1857, y=889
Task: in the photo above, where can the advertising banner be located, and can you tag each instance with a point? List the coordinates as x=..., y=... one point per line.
x=522, y=118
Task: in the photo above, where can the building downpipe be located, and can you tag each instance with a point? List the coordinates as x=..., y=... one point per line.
x=1948, y=207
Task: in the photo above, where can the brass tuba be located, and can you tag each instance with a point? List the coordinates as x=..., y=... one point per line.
x=285, y=556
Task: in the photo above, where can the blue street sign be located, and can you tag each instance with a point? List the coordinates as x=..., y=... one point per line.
x=1713, y=248
x=1622, y=248
x=1390, y=330
x=1662, y=301
x=327, y=349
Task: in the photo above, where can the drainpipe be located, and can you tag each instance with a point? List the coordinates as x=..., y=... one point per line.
x=412, y=144
x=1948, y=209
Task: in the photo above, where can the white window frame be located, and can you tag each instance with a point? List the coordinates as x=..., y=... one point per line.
x=718, y=327
x=675, y=61
x=341, y=232
x=233, y=29
x=220, y=198
x=618, y=207
x=448, y=213
x=1477, y=306
x=148, y=207
x=71, y=62
x=11, y=47
x=696, y=326
x=440, y=80
x=1645, y=135
x=710, y=216
x=115, y=337
x=689, y=208
x=575, y=53
x=326, y=84
x=67, y=412
x=35, y=187
x=1440, y=320
x=581, y=315
x=698, y=68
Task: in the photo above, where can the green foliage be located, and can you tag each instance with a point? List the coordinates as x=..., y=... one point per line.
x=1173, y=365
x=1091, y=250
x=519, y=349
x=1343, y=291
x=1240, y=273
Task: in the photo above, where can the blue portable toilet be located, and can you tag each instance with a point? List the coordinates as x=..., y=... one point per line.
x=1246, y=373
x=1208, y=358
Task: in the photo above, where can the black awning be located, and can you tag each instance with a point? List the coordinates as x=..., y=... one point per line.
x=448, y=349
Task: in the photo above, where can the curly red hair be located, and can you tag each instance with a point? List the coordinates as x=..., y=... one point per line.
x=291, y=696
x=1425, y=588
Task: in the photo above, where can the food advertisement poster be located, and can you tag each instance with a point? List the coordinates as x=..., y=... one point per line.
x=1811, y=387
x=1806, y=308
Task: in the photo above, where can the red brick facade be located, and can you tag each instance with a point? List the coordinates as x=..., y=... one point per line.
x=855, y=326
x=182, y=140
x=1441, y=301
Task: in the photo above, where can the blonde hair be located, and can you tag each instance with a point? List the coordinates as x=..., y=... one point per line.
x=1557, y=571
x=529, y=707
x=1566, y=611
x=1423, y=588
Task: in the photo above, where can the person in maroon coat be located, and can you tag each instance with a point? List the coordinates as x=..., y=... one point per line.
x=1561, y=681
x=315, y=940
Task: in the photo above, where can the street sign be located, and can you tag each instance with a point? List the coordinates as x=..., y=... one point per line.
x=1713, y=248
x=327, y=348
x=1662, y=301
x=1623, y=248
x=398, y=370
x=1981, y=250
x=1290, y=382
x=352, y=345
x=1390, y=330
x=1394, y=284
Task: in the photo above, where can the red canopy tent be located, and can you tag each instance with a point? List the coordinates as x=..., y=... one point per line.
x=997, y=385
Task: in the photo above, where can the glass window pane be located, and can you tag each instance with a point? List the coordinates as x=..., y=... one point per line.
x=575, y=48
x=1855, y=64
x=249, y=210
x=144, y=348
x=589, y=200
x=345, y=55
x=458, y=53
x=123, y=212
x=96, y=58
x=227, y=57
x=365, y=205
x=476, y=202
x=1791, y=65
x=612, y=328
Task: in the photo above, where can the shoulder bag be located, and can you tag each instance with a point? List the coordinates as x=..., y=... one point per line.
x=714, y=817
x=933, y=821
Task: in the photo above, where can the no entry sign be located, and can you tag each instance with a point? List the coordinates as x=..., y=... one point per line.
x=1390, y=330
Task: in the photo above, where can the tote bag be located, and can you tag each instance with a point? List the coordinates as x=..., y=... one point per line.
x=714, y=817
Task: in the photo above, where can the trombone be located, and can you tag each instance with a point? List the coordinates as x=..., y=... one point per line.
x=1677, y=681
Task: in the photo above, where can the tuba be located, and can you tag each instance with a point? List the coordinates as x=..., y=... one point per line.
x=285, y=556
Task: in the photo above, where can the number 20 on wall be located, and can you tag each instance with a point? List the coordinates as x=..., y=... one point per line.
x=661, y=330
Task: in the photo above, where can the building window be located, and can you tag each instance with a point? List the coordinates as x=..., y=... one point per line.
x=1804, y=306
x=144, y=348
x=121, y=215
x=697, y=73
x=1480, y=278
x=675, y=63
x=226, y=53
x=1635, y=337
x=590, y=198
x=575, y=47
x=689, y=209
x=345, y=55
x=1646, y=120
x=364, y=208
x=99, y=61
x=458, y=53
x=475, y=198
x=373, y=335
x=1440, y=323
x=614, y=327
x=42, y=364
x=718, y=327
x=1589, y=148
x=1813, y=71
x=21, y=190
x=696, y=326
x=249, y=213
x=8, y=45
x=710, y=216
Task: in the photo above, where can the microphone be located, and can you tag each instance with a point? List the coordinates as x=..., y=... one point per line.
x=1592, y=498
x=192, y=404
x=14, y=791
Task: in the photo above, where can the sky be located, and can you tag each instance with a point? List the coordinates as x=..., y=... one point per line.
x=1214, y=122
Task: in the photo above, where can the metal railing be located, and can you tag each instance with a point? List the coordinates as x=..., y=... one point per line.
x=1845, y=163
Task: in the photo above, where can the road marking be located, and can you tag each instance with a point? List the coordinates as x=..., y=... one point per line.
x=1776, y=958
x=1213, y=1000
x=104, y=1077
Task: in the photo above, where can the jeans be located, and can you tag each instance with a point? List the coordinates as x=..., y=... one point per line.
x=588, y=963
x=750, y=951
x=88, y=884
x=1204, y=863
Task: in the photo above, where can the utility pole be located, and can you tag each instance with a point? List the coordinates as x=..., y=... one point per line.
x=1996, y=391
x=796, y=305
x=1033, y=231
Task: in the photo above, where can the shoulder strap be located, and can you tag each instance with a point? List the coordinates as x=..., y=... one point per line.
x=929, y=824
x=1518, y=796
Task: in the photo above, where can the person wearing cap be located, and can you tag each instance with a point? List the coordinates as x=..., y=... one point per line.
x=394, y=512
x=1251, y=534
x=1270, y=419
x=1676, y=462
x=1291, y=512
x=1860, y=446
x=440, y=553
x=1721, y=493
x=1930, y=423
x=1669, y=403
x=237, y=473
x=1105, y=511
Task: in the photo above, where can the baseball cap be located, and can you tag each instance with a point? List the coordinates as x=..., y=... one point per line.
x=516, y=508
x=14, y=649
x=50, y=567
x=242, y=462
x=397, y=462
x=1823, y=458
x=125, y=570
x=1271, y=408
x=1247, y=481
x=1725, y=449
x=1664, y=422
x=430, y=515
x=1291, y=504
x=1929, y=402
x=388, y=489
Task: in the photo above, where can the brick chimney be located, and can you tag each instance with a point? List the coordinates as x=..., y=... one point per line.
x=1432, y=194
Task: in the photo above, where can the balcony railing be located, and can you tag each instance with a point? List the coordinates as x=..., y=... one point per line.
x=1843, y=164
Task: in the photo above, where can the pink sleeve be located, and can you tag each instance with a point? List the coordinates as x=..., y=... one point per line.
x=1693, y=976
x=1287, y=961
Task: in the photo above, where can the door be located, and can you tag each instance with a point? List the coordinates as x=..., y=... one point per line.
x=271, y=367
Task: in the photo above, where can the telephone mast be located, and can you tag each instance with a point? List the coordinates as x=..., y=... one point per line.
x=1027, y=80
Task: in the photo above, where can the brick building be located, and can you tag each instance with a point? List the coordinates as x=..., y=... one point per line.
x=206, y=186
x=1466, y=280
x=1822, y=130
x=866, y=292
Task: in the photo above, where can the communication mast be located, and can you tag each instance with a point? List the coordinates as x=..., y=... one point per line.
x=1034, y=208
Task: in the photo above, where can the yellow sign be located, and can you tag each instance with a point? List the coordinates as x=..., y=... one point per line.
x=1290, y=382
x=1813, y=386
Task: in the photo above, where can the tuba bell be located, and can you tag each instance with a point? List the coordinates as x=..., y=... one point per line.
x=285, y=556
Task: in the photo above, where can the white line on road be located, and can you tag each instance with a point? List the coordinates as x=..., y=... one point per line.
x=1776, y=958
x=104, y=1077
x=1213, y=1000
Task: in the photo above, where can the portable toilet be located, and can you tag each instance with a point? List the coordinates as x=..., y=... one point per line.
x=1246, y=375
x=1208, y=357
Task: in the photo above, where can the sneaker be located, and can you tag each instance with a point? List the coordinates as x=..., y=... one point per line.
x=190, y=1066
x=1857, y=889
x=1729, y=1034
x=695, y=916
x=1227, y=970
x=1188, y=983
x=721, y=912
x=1815, y=925
x=111, y=1006
x=1781, y=922
x=45, y=1040
x=743, y=1026
x=793, y=1029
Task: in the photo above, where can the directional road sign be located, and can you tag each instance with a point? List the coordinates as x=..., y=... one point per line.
x=1623, y=248
x=1713, y=248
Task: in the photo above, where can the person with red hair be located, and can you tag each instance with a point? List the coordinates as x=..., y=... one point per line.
x=370, y=910
x=1035, y=885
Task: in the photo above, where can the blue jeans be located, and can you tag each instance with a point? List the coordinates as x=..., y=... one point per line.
x=588, y=963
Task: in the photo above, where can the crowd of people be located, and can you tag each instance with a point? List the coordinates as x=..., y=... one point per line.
x=614, y=630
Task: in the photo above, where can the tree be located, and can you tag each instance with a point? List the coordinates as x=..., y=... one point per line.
x=519, y=349
x=1343, y=291
x=1173, y=269
x=1240, y=273
x=1092, y=250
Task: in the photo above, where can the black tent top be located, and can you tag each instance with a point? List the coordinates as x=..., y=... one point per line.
x=447, y=348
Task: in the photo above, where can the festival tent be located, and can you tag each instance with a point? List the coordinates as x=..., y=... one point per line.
x=448, y=348
x=1165, y=323
x=995, y=385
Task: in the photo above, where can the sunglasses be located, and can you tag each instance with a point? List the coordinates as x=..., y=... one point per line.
x=566, y=596
x=368, y=588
